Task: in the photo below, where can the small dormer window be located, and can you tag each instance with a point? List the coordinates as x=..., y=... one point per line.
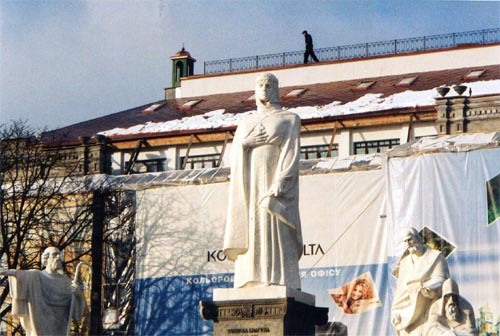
x=363, y=86
x=295, y=93
x=153, y=108
x=187, y=106
x=250, y=99
x=407, y=81
x=474, y=74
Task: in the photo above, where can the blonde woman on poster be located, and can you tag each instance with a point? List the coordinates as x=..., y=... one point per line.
x=357, y=296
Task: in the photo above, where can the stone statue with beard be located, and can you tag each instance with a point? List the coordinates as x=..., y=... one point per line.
x=421, y=274
x=44, y=300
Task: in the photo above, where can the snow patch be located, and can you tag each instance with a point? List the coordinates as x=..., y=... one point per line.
x=368, y=103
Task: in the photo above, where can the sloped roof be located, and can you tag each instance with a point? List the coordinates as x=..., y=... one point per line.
x=235, y=103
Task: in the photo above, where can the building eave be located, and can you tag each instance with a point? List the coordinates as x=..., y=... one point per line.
x=204, y=135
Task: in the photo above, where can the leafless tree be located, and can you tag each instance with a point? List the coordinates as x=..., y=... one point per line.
x=119, y=262
x=46, y=201
x=41, y=204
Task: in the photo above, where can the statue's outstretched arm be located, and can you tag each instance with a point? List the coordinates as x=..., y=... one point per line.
x=8, y=273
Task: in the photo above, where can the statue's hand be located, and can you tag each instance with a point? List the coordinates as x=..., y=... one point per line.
x=256, y=138
x=396, y=319
x=75, y=287
x=426, y=292
x=276, y=190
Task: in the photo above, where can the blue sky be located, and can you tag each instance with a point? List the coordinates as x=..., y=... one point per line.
x=66, y=61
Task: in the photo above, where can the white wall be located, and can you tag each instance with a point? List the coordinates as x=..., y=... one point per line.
x=345, y=70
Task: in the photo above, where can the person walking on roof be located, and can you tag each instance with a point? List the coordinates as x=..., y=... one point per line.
x=309, y=48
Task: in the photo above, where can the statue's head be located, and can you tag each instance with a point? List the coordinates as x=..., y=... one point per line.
x=51, y=259
x=451, y=301
x=266, y=90
x=413, y=240
x=451, y=307
x=450, y=287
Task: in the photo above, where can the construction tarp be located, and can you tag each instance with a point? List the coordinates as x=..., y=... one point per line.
x=180, y=262
x=453, y=200
x=351, y=222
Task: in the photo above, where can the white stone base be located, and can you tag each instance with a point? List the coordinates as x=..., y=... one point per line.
x=269, y=292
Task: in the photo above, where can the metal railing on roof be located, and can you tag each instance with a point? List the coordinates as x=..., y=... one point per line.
x=389, y=47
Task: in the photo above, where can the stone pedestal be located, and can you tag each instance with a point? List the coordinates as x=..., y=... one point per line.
x=266, y=311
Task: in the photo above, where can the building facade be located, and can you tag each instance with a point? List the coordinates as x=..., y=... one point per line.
x=353, y=106
x=360, y=106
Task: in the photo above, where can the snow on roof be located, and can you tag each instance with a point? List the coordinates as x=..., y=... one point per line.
x=368, y=103
x=447, y=143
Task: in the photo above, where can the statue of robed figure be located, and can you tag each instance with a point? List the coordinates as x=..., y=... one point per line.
x=47, y=300
x=263, y=232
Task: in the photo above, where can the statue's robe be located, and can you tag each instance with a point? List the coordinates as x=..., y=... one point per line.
x=429, y=270
x=263, y=232
x=438, y=325
x=42, y=302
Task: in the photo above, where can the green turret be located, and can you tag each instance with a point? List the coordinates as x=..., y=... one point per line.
x=182, y=66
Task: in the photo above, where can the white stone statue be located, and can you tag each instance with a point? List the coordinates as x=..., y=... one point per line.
x=451, y=315
x=263, y=234
x=44, y=300
x=421, y=275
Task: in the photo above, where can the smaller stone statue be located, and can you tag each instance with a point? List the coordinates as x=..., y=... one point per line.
x=421, y=274
x=44, y=300
x=451, y=315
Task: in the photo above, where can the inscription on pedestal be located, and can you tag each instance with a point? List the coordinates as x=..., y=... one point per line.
x=243, y=330
x=269, y=310
x=263, y=317
x=249, y=331
x=248, y=328
x=250, y=311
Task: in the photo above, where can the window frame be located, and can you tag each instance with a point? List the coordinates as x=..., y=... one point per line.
x=192, y=160
x=379, y=145
x=321, y=151
x=159, y=162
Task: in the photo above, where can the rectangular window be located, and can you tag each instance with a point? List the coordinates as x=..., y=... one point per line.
x=188, y=106
x=407, y=81
x=317, y=151
x=474, y=74
x=153, y=108
x=146, y=166
x=250, y=99
x=375, y=146
x=199, y=161
x=363, y=86
x=295, y=93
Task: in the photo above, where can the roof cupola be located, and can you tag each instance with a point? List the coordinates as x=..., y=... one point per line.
x=182, y=66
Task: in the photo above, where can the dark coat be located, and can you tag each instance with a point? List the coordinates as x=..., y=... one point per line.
x=309, y=41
